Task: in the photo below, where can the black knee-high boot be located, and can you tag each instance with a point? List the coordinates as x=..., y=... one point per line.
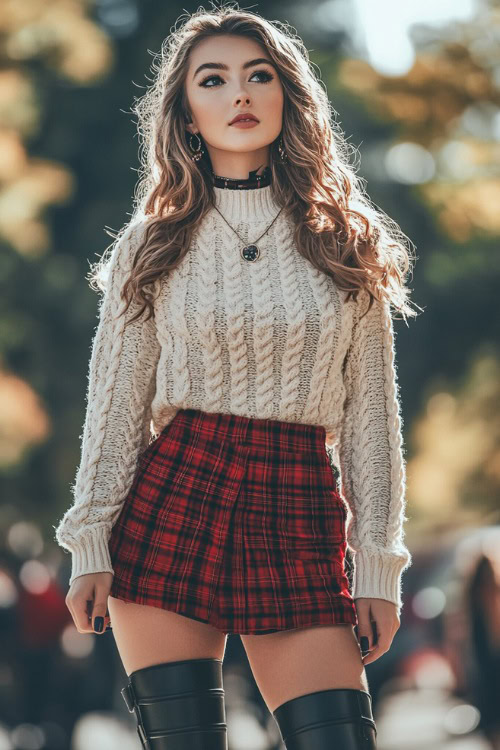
x=328, y=719
x=179, y=705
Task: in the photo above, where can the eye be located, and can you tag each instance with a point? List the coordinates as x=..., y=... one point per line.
x=267, y=77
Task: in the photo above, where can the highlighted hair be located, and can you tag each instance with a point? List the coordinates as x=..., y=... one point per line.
x=337, y=228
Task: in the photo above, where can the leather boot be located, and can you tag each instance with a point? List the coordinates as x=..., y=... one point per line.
x=328, y=719
x=179, y=705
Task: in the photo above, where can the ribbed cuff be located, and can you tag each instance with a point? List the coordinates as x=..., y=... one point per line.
x=378, y=575
x=90, y=553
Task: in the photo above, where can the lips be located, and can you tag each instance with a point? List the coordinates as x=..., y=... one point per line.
x=238, y=118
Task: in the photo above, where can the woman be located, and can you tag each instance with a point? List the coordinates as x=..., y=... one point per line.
x=255, y=336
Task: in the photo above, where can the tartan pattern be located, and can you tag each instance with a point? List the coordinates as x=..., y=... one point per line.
x=236, y=522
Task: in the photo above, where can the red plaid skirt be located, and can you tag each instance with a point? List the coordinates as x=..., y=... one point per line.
x=236, y=522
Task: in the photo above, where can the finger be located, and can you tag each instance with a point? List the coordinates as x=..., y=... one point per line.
x=85, y=622
x=371, y=656
x=81, y=606
x=374, y=654
x=381, y=648
x=365, y=632
x=69, y=605
x=100, y=610
x=107, y=621
x=77, y=606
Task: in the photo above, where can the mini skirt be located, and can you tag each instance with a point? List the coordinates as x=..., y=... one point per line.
x=235, y=522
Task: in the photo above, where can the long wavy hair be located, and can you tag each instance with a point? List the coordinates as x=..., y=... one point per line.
x=336, y=226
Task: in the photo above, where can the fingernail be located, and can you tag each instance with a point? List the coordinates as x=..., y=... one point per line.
x=364, y=643
x=98, y=624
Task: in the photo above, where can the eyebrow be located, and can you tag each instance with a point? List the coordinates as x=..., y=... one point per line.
x=222, y=66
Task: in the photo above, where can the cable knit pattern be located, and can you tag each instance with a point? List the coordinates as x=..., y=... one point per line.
x=296, y=323
x=233, y=299
x=371, y=459
x=272, y=339
x=121, y=384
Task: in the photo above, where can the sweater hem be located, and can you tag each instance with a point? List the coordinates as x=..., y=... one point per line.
x=90, y=554
x=378, y=575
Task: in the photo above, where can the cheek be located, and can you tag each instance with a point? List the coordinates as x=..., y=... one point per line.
x=208, y=116
x=204, y=104
x=274, y=99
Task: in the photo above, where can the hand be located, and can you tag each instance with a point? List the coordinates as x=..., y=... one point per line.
x=378, y=620
x=87, y=599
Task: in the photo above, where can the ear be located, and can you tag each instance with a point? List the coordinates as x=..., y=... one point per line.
x=190, y=125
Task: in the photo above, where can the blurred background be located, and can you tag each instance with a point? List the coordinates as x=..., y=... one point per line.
x=416, y=87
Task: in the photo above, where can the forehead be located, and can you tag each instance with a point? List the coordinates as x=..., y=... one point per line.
x=230, y=49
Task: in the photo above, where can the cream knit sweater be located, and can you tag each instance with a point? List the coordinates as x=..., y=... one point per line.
x=271, y=339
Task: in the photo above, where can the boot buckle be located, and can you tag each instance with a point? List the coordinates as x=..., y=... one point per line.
x=128, y=697
x=142, y=735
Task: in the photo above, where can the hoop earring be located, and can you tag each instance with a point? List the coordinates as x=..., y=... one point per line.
x=197, y=151
x=282, y=152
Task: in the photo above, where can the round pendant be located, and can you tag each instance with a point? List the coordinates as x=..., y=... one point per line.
x=250, y=252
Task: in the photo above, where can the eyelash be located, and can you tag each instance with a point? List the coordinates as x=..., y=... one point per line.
x=269, y=77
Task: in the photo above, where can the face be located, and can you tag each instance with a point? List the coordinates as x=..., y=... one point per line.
x=216, y=94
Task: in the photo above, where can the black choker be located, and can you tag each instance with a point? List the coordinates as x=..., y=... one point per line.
x=252, y=181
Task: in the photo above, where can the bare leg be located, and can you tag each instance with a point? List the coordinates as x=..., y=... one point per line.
x=147, y=635
x=174, y=667
x=294, y=662
x=314, y=682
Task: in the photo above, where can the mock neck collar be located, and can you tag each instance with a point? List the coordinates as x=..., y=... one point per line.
x=244, y=205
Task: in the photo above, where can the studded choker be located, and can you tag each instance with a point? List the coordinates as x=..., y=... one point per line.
x=252, y=181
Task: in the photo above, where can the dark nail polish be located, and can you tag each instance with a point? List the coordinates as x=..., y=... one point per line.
x=364, y=643
x=98, y=624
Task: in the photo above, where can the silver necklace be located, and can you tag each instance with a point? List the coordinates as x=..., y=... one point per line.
x=250, y=252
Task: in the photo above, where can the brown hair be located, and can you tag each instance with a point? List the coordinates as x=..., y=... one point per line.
x=337, y=228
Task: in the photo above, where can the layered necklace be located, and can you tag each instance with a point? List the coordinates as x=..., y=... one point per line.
x=249, y=252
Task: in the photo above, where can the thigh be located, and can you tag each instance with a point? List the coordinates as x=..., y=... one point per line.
x=295, y=662
x=147, y=635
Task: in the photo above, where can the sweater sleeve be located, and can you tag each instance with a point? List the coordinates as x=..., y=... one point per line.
x=372, y=467
x=121, y=386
